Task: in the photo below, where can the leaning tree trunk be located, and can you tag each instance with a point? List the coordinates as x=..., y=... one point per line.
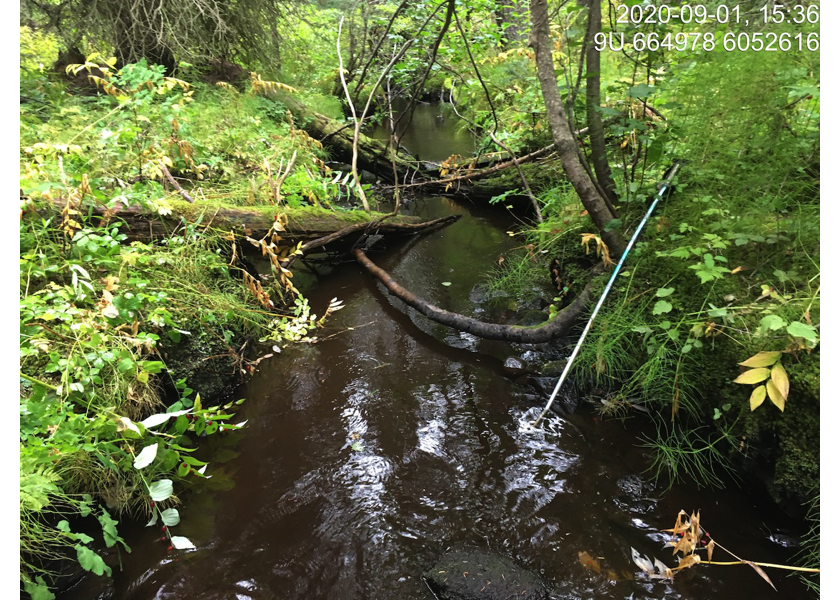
x=593, y=103
x=563, y=137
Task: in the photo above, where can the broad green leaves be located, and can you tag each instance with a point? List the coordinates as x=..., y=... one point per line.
x=662, y=307
x=91, y=561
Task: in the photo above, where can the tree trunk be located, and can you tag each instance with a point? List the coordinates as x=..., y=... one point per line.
x=562, y=135
x=593, y=102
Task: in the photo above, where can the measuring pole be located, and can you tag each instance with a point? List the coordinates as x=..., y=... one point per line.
x=665, y=184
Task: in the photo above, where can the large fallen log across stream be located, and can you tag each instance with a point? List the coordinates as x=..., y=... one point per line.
x=301, y=224
x=553, y=329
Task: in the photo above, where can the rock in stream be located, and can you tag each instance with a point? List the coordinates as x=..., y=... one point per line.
x=473, y=574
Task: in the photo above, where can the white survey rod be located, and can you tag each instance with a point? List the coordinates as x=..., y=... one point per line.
x=659, y=196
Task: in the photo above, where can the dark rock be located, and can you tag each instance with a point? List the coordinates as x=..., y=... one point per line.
x=553, y=368
x=514, y=366
x=204, y=360
x=480, y=294
x=535, y=302
x=527, y=318
x=472, y=574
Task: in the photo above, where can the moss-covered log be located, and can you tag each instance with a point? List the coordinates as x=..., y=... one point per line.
x=302, y=224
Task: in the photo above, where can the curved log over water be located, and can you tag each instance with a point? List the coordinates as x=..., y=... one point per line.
x=557, y=327
x=379, y=226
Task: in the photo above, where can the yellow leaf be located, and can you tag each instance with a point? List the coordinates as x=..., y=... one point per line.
x=757, y=397
x=775, y=396
x=762, y=359
x=780, y=379
x=753, y=376
x=687, y=562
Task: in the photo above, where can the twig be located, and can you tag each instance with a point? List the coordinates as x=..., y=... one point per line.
x=175, y=184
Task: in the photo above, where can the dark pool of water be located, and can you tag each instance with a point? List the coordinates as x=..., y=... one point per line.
x=434, y=133
x=369, y=453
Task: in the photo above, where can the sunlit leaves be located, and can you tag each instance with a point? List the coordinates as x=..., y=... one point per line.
x=160, y=490
x=182, y=543
x=762, y=359
x=757, y=397
x=778, y=386
x=146, y=456
x=170, y=517
x=753, y=376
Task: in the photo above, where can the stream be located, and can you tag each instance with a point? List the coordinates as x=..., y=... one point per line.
x=370, y=453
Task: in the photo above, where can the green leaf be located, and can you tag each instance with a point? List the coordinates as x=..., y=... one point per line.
x=806, y=332
x=655, y=151
x=641, y=90
x=446, y=283
x=109, y=528
x=174, y=335
x=38, y=590
x=753, y=376
x=161, y=490
x=152, y=366
x=771, y=323
x=170, y=517
x=662, y=307
x=183, y=469
x=91, y=561
x=612, y=224
x=146, y=456
x=664, y=292
x=126, y=364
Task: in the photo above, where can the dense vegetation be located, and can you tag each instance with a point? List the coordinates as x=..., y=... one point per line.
x=119, y=334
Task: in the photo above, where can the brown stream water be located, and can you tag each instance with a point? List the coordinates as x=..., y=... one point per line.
x=369, y=453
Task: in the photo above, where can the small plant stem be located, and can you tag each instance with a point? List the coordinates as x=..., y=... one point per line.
x=39, y=382
x=760, y=564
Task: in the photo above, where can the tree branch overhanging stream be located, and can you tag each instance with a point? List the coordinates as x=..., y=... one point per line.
x=553, y=329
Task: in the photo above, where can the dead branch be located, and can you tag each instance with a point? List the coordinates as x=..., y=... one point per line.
x=557, y=327
x=175, y=184
x=368, y=226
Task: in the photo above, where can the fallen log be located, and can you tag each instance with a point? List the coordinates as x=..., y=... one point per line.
x=373, y=154
x=555, y=328
x=301, y=224
x=370, y=227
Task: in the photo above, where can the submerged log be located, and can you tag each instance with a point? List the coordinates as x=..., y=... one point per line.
x=555, y=328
